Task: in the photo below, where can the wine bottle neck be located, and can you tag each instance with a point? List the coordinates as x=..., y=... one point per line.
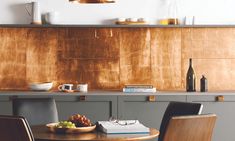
x=190, y=62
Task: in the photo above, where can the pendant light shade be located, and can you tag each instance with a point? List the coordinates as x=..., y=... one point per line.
x=92, y=1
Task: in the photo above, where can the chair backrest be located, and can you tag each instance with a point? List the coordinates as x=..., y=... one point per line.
x=36, y=110
x=15, y=128
x=178, y=109
x=190, y=128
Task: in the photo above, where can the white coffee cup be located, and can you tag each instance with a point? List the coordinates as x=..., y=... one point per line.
x=82, y=87
x=65, y=87
x=52, y=17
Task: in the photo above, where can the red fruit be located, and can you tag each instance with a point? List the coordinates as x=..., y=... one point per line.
x=80, y=120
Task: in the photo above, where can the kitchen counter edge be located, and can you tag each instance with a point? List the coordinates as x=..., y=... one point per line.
x=110, y=93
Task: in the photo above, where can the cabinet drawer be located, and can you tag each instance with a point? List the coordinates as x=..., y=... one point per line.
x=156, y=98
x=211, y=98
x=94, y=107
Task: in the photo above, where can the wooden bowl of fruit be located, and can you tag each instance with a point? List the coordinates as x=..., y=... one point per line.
x=75, y=124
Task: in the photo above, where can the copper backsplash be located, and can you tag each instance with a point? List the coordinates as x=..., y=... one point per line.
x=108, y=58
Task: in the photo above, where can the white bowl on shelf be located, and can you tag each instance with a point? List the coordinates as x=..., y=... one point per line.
x=41, y=86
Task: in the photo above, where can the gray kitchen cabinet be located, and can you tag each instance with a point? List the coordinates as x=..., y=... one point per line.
x=225, y=111
x=5, y=106
x=148, y=113
x=94, y=107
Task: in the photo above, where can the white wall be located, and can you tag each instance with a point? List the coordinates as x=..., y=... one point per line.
x=206, y=11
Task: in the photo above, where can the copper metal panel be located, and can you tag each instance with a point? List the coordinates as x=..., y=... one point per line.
x=212, y=50
x=92, y=57
x=13, y=58
x=208, y=43
x=166, y=58
x=99, y=74
x=108, y=58
x=91, y=44
x=135, y=64
x=41, y=55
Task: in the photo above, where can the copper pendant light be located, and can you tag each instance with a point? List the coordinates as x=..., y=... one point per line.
x=92, y=1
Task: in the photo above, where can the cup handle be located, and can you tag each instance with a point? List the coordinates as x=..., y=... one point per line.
x=60, y=87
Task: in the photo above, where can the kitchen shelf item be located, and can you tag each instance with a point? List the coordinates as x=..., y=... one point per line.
x=203, y=84
x=131, y=23
x=41, y=86
x=33, y=9
x=170, y=21
x=190, y=78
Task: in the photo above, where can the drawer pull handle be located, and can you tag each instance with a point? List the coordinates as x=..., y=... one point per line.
x=152, y=98
x=220, y=98
x=82, y=98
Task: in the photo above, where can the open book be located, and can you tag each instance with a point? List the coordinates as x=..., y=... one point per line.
x=123, y=127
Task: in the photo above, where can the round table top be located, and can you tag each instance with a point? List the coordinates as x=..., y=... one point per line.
x=41, y=133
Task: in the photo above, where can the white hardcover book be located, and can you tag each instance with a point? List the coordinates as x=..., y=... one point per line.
x=139, y=90
x=123, y=127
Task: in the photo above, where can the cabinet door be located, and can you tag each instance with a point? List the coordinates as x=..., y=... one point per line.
x=225, y=125
x=139, y=107
x=94, y=107
x=5, y=106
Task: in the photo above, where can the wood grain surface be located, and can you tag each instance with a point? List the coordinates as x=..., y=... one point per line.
x=109, y=58
x=190, y=128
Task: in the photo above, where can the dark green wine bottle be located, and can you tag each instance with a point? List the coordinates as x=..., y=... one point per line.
x=190, y=78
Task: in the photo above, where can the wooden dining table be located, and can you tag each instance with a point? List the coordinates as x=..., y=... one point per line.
x=41, y=133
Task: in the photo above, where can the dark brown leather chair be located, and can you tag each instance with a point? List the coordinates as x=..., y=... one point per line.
x=190, y=128
x=178, y=109
x=15, y=128
x=36, y=110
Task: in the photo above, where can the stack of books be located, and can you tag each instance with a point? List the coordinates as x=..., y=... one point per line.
x=139, y=88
